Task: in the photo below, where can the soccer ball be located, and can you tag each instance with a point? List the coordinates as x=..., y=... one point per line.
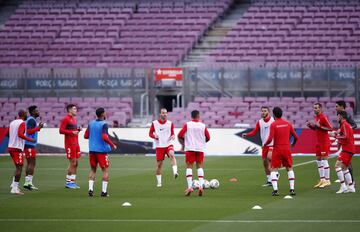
x=206, y=184
x=195, y=184
x=214, y=184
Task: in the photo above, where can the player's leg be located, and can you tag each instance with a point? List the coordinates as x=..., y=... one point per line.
x=30, y=154
x=93, y=166
x=287, y=163
x=104, y=164
x=346, y=161
x=274, y=174
x=18, y=159
x=351, y=172
x=200, y=171
x=266, y=152
x=320, y=166
x=171, y=154
x=160, y=156
x=71, y=174
x=190, y=159
x=326, y=166
x=339, y=166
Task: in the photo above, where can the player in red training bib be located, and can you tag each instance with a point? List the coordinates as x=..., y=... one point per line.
x=322, y=126
x=280, y=132
x=194, y=135
x=162, y=131
x=69, y=128
x=16, y=146
x=346, y=140
x=263, y=125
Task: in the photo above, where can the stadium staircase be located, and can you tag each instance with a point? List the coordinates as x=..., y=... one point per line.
x=216, y=33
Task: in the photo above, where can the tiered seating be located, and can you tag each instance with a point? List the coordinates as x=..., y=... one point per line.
x=225, y=112
x=52, y=109
x=49, y=33
x=293, y=33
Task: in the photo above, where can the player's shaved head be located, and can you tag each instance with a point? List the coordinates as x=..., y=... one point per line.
x=277, y=111
x=163, y=113
x=22, y=113
x=317, y=108
x=195, y=114
x=265, y=111
x=318, y=104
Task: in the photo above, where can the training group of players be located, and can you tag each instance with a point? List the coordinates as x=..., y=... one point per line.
x=275, y=134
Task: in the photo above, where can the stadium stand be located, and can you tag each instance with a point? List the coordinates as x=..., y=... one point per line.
x=52, y=109
x=78, y=33
x=293, y=33
x=226, y=112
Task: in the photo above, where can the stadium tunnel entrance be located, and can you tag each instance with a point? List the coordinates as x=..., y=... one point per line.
x=167, y=99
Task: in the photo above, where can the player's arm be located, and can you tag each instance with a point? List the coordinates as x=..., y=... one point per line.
x=31, y=127
x=271, y=134
x=324, y=124
x=182, y=134
x=172, y=137
x=151, y=132
x=105, y=136
x=207, y=135
x=254, y=131
x=343, y=133
x=63, y=129
x=21, y=133
x=87, y=133
x=293, y=133
x=311, y=125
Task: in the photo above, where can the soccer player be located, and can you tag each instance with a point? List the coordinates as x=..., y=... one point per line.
x=99, y=146
x=69, y=128
x=321, y=126
x=341, y=106
x=263, y=125
x=346, y=141
x=32, y=130
x=162, y=131
x=16, y=146
x=194, y=135
x=280, y=132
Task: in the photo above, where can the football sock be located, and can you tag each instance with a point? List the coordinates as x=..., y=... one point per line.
x=158, y=178
x=189, y=177
x=326, y=169
x=175, y=169
x=274, y=180
x=200, y=173
x=320, y=169
x=68, y=179
x=268, y=177
x=91, y=185
x=340, y=175
x=347, y=176
x=291, y=176
x=104, y=186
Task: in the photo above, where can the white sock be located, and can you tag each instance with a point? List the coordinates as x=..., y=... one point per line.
x=73, y=178
x=268, y=177
x=174, y=168
x=341, y=177
x=274, y=180
x=15, y=185
x=12, y=183
x=158, y=178
x=68, y=178
x=91, y=185
x=320, y=169
x=326, y=169
x=104, y=186
x=291, y=176
x=200, y=173
x=348, y=177
x=189, y=177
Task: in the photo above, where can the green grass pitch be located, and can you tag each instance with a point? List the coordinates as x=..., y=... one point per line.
x=54, y=208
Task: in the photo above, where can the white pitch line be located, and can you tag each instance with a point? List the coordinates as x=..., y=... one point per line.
x=170, y=220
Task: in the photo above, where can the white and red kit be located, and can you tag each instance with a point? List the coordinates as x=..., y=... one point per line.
x=164, y=129
x=263, y=125
x=17, y=139
x=195, y=135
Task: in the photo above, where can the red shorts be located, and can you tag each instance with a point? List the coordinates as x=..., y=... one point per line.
x=17, y=157
x=30, y=152
x=281, y=157
x=322, y=149
x=345, y=158
x=162, y=151
x=267, y=151
x=194, y=156
x=101, y=159
x=72, y=151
